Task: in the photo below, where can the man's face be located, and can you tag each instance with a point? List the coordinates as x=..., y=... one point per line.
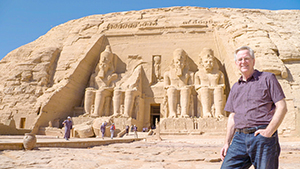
x=244, y=61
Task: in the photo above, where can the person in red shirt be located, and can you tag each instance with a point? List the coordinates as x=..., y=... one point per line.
x=112, y=130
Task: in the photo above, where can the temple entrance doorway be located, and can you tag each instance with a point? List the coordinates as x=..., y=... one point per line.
x=155, y=114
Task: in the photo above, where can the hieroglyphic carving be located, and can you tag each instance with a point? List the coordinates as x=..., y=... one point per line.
x=198, y=22
x=130, y=25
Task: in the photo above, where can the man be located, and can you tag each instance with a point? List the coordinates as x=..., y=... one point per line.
x=135, y=131
x=68, y=126
x=257, y=107
x=102, y=128
x=112, y=130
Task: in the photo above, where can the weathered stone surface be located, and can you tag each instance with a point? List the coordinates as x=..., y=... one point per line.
x=47, y=79
x=172, y=152
x=84, y=130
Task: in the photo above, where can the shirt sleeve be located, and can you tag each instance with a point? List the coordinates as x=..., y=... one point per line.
x=229, y=104
x=276, y=91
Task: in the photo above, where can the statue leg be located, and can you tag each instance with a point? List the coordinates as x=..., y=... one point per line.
x=89, y=97
x=172, y=101
x=99, y=102
x=205, y=98
x=107, y=106
x=185, y=94
x=218, y=101
x=117, y=100
x=130, y=95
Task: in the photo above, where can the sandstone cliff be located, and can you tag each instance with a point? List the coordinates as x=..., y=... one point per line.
x=45, y=80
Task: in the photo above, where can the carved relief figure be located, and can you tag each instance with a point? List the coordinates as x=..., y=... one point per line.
x=178, y=82
x=209, y=84
x=156, y=68
x=101, y=87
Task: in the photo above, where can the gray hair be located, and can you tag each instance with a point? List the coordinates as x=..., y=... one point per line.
x=244, y=48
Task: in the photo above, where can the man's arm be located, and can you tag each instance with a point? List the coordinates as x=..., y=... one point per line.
x=279, y=114
x=229, y=135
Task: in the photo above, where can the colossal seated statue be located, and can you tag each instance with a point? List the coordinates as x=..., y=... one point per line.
x=127, y=93
x=102, y=83
x=209, y=84
x=178, y=83
x=111, y=93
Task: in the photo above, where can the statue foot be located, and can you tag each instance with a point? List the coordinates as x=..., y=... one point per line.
x=173, y=116
x=207, y=116
x=219, y=116
x=94, y=115
x=86, y=115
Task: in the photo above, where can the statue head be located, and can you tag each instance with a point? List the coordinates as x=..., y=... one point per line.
x=207, y=59
x=106, y=62
x=179, y=61
x=157, y=59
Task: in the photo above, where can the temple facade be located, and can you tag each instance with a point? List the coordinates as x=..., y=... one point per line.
x=172, y=65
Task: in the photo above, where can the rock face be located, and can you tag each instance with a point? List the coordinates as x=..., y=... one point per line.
x=123, y=65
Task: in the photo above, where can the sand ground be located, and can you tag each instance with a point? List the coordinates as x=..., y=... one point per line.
x=192, y=152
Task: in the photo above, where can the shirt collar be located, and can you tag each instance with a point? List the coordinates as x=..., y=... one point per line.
x=254, y=76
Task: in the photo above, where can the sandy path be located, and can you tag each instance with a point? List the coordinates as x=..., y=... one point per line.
x=173, y=152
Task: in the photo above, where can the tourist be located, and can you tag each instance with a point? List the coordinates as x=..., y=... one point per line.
x=135, y=131
x=127, y=130
x=257, y=107
x=68, y=126
x=112, y=130
x=102, y=128
x=131, y=129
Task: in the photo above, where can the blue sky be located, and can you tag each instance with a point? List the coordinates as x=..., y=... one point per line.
x=23, y=21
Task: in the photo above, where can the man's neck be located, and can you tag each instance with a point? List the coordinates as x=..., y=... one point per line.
x=247, y=75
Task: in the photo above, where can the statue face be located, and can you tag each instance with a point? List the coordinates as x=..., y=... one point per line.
x=104, y=64
x=208, y=62
x=179, y=59
x=156, y=60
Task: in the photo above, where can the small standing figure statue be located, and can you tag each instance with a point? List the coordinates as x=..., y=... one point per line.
x=156, y=66
x=68, y=126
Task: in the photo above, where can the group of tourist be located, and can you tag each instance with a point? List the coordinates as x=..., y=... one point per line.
x=68, y=126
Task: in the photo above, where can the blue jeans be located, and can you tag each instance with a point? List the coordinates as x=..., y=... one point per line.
x=247, y=149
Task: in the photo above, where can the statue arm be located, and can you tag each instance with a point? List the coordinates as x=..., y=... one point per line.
x=167, y=82
x=197, y=81
x=191, y=79
x=112, y=78
x=221, y=80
